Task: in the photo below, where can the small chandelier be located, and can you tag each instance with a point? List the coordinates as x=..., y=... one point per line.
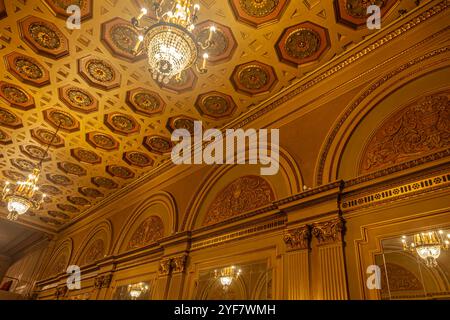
x=136, y=290
x=170, y=44
x=226, y=276
x=24, y=195
x=428, y=245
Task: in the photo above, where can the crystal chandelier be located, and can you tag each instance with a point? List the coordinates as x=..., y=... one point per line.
x=170, y=44
x=226, y=276
x=24, y=195
x=428, y=245
x=136, y=290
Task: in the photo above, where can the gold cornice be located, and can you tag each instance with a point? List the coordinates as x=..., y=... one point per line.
x=294, y=90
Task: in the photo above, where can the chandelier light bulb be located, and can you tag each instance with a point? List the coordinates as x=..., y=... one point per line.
x=196, y=8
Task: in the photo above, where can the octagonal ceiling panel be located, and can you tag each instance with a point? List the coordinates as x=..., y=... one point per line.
x=158, y=144
x=353, y=13
x=215, y=105
x=122, y=123
x=5, y=138
x=15, y=96
x=78, y=99
x=121, y=38
x=94, y=85
x=253, y=78
x=145, y=102
x=62, y=120
x=35, y=153
x=303, y=43
x=9, y=119
x=99, y=73
x=44, y=37
x=59, y=8
x=258, y=13
x=27, y=69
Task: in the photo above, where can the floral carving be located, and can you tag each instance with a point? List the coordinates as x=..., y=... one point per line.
x=328, y=231
x=94, y=252
x=244, y=194
x=418, y=129
x=65, y=121
x=87, y=156
x=358, y=8
x=103, y=281
x=122, y=123
x=298, y=238
x=90, y=192
x=59, y=215
x=400, y=279
x=145, y=102
x=138, y=159
x=102, y=141
x=99, y=73
x=181, y=123
x=24, y=165
x=258, y=8
x=27, y=69
x=16, y=96
x=106, y=183
x=35, y=153
x=59, y=179
x=47, y=137
x=120, y=172
x=215, y=105
x=78, y=201
x=253, y=78
x=158, y=144
x=78, y=99
x=67, y=208
x=5, y=138
x=302, y=44
x=9, y=119
x=72, y=168
x=44, y=36
x=48, y=189
x=150, y=230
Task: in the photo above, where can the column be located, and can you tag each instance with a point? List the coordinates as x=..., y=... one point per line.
x=330, y=260
x=178, y=276
x=162, y=283
x=297, y=263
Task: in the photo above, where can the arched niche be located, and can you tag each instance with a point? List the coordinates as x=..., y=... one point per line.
x=286, y=182
x=342, y=153
x=96, y=245
x=154, y=218
x=60, y=258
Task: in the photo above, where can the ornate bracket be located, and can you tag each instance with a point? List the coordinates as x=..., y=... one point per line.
x=103, y=281
x=179, y=263
x=298, y=238
x=61, y=292
x=165, y=267
x=329, y=231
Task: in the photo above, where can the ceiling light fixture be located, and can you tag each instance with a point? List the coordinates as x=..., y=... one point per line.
x=226, y=276
x=24, y=195
x=428, y=245
x=170, y=44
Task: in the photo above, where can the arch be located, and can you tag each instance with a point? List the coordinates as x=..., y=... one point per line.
x=161, y=205
x=96, y=245
x=60, y=258
x=368, y=102
x=288, y=181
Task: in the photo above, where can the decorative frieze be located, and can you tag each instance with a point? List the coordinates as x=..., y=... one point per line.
x=298, y=238
x=328, y=231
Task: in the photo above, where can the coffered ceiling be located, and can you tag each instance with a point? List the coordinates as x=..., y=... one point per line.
x=116, y=120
